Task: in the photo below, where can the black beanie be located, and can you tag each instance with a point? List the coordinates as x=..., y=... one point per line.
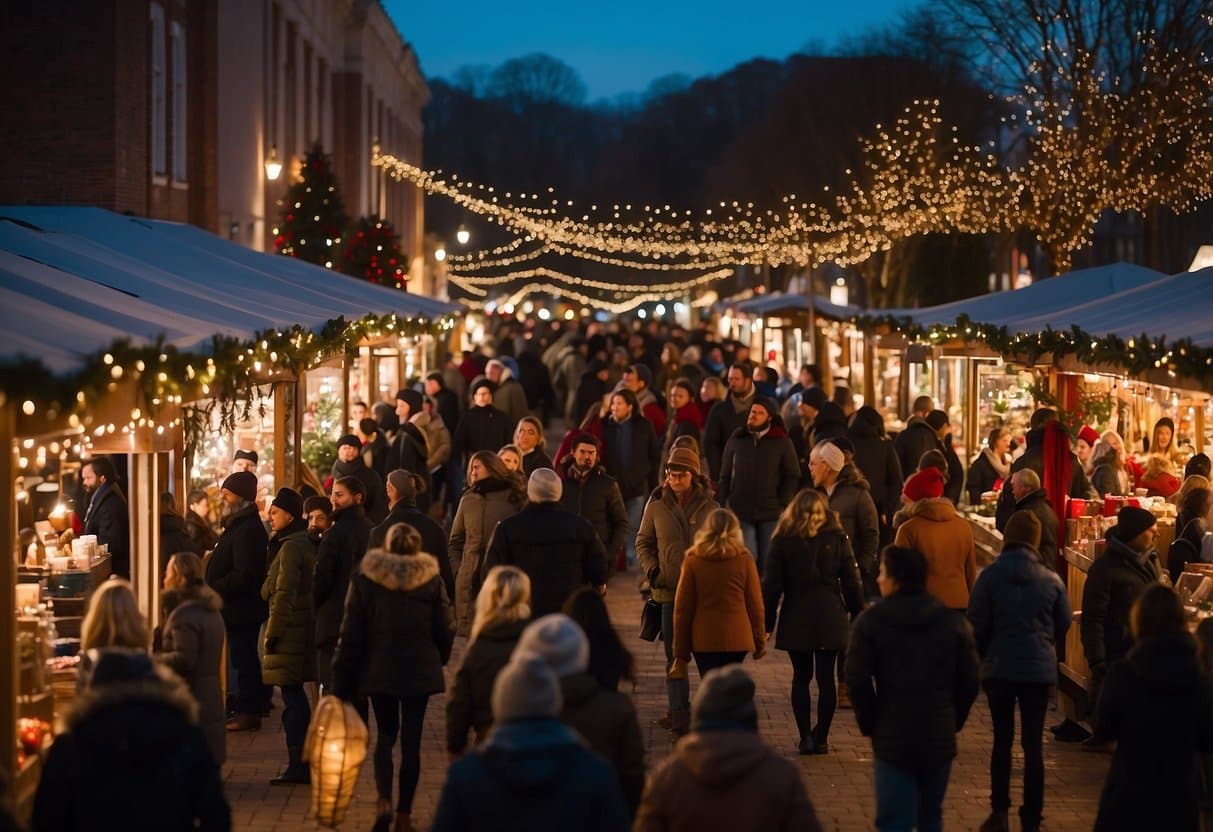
x=290, y=501
x=410, y=397
x=1132, y=521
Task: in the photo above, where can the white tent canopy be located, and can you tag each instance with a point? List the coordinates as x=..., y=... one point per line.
x=777, y=302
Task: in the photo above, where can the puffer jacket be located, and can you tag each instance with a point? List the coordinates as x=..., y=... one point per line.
x=1038, y=504
x=852, y=501
x=481, y=508
x=607, y=721
x=191, y=645
x=397, y=631
x=758, y=476
x=437, y=437
x=667, y=530
x=595, y=497
x=946, y=541
x=1020, y=613
x=291, y=629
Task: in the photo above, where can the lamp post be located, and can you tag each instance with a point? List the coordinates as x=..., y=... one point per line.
x=273, y=165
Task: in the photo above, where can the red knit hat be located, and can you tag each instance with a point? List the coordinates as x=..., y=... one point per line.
x=924, y=484
x=1089, y=435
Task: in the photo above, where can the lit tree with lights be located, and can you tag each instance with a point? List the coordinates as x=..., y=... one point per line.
x=372, y=252
x=313, y=217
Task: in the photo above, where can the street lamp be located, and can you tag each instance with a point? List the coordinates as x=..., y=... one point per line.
x=273, y=165
x=463, y=235
x=440, y=254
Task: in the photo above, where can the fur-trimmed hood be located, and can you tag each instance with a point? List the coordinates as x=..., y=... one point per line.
x=144, y=719
x=400, y=573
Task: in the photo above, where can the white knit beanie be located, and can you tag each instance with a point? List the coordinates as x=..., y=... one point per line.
x=829, y=453
x=544, y=486
x=559, y=641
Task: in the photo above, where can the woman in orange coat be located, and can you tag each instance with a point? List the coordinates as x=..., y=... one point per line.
x=718, y=610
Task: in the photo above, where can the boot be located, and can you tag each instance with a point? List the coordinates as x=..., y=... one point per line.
x=296, y=771
x=807, y=746
x=383, y=817
x=680, y=721
x=820, y=744
x=996, y=822
x=404, y=822
x=244, y=722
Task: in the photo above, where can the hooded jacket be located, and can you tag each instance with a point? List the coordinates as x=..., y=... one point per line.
x=236, y=569
x=667, y=530
x=1157, y=705
x=759, y=475
x=1020, y=613
x=934, y=528
x=341, y=548
x=397, y=631
x=596, y=498
x=718, y=605
x=725, y=780
x=191, y=645
x=1114, y=582
x=818, y=581
x=531, y=774
x=876, y=459
x=141, y=731
x=469, y=705
x=606, y=720
x=920, y=657
x=483, y=506
x=291, y=628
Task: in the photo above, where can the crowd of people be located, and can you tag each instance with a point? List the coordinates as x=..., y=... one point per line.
x=753, y=512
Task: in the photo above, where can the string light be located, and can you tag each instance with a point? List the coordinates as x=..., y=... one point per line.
x=552, y=274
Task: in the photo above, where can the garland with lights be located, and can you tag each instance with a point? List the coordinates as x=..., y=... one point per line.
x=372, y=252
x=313, y=216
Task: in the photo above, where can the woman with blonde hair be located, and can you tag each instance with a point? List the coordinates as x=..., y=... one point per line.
x=511, y=455
x=494, y=492
x=810, y=566
x=503, y=609
x=528, y=439
x=114, y=620
x=718, y=610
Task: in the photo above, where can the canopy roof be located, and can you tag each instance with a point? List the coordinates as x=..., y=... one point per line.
x=777, y=303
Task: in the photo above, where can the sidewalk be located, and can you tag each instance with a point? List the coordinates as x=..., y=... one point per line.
x=840, y=783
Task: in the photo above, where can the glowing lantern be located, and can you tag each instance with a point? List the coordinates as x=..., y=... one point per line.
x=335, y=749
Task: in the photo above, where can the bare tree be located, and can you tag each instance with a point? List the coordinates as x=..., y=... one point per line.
x=537, y=79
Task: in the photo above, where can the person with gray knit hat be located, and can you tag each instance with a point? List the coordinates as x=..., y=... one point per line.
x=533, y=772
x=558, y=550
x=605, y=718
x=722, y=775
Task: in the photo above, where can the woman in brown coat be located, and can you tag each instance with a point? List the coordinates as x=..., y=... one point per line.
x=718, y=611
x=493, y=494
x=944, y=538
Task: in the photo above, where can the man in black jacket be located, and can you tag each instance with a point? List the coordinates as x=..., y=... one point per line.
x=727, y=416
x=922, y=659
x=1029, y=496
x=592, y=494
x=107, y=515
x=236, y=570
x=340, y=551
x=402, y=488
x=759, y=475
x=351, y=464
x=631, y=454
x=482, y=428
x=557, y=550
x=917, y=437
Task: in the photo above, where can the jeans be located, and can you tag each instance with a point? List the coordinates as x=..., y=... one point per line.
x=1033, y=699
x=803, y=662
x=906, y=800
x=706, y=661
x=757, y=537
x=677, y=691
x=242, y=647
x=296, y=714
x=389, y=711
x=635, y=507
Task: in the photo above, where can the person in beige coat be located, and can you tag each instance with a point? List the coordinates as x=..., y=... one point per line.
x=942, y=536
x=493, y=494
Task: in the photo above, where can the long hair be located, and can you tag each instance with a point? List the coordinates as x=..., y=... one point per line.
x=533, y=422
x=806, y=515
x=168, y=504
x=189, y=567
x=504, y=596
x=720, y=533
x=610, y=660
x=114, y=619
x=497, y=470
x=1169, y=450
x=402, y=539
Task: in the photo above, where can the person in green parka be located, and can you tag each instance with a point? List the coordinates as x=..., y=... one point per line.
x=289, y=658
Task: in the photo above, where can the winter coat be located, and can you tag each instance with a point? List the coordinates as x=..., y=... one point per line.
x=920, y=656
x=606, y=720
x=437, y=438
x=596, y=498
x=558, y=551
x=1038, y=504
x=374, y=454
x=410, y=450
x=531, y=774
x=852, y=501
x=877, y=460
x=1157, y=705
x=537, y=458
x=200, y=531
x=236, y=569
x=469, y=706
x=718, y=604
x=374, y=501
x=725, y=780
x=510, y=399
x=446, y=402
x=915, y=439
x=637, y=474
x=480, y=429
x=818, y=580
x=191, y=645
x=1034, y=458
x=1114, y=582
x=291, y=629
x=1106, y=479
x=141, y=731
x=397, y=631
x=758, y=475
x=954, y=487
x=482, y=507
x=667, y=530
x=174, y=538
x=724, y=419
x=982, y=477
x=433, y=537
x=590, y=392
x=337, y=557
x=1020, y=613
x=946, y=541
x=109, y=519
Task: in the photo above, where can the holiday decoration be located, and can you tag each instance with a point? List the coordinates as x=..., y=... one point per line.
x=372, y=252
x=313, y=217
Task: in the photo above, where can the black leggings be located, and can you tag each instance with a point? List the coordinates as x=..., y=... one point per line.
x=803, y=664
x=388, y=711
x=706, y=661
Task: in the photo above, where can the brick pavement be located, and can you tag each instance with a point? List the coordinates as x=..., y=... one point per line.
x=840, y=783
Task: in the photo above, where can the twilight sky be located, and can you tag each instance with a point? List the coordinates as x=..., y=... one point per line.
x=621, y=45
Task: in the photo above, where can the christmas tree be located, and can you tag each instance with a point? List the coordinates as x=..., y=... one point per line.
x=372, y=252
x=313, y=217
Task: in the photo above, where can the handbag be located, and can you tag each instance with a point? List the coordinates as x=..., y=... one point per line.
x=650, y=620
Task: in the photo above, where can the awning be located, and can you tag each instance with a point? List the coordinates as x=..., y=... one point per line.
x=780, y=303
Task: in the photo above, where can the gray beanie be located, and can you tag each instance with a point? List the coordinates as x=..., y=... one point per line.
x=559, y=641
x=725, y=701
x=544, y=486
x=526, y=688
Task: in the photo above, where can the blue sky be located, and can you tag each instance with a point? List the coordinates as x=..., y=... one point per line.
x=621, y=46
